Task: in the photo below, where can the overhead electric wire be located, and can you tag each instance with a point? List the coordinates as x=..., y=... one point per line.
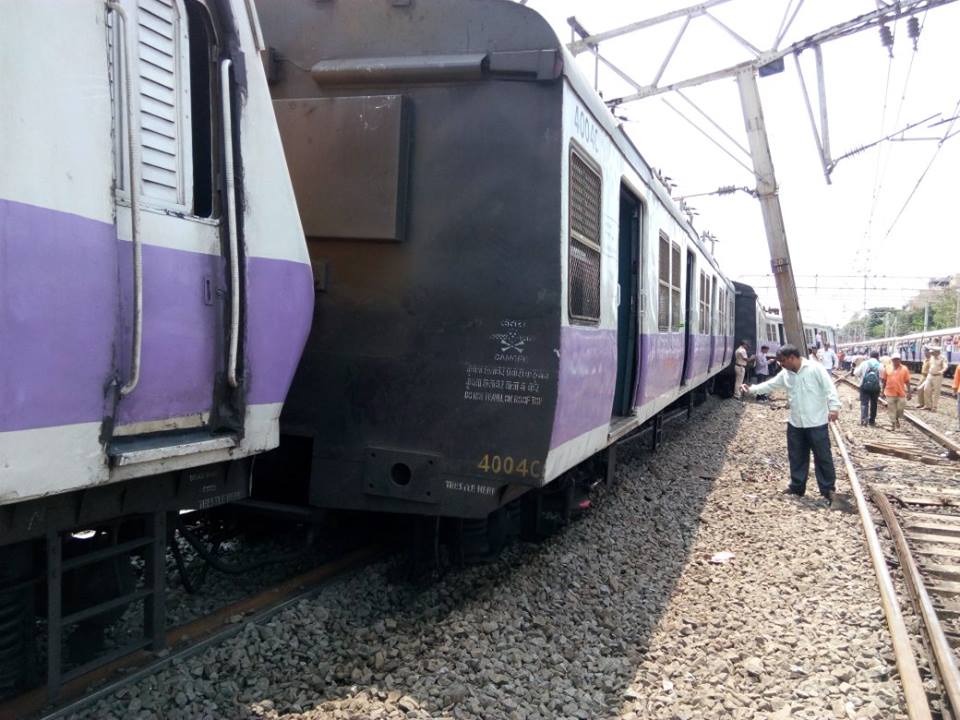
x=916, y=186
x=877, y=183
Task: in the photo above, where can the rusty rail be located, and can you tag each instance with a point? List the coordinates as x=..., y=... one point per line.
x=917, y=706
x=950, y=445
x=943, y=655
x=191, y=638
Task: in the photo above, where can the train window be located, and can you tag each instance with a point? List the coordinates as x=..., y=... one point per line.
x=584, y=253
x=163, y=61
x=714, y=323
x=676, y=311
x=723, y=310
x=663, y=296
x=704, y=304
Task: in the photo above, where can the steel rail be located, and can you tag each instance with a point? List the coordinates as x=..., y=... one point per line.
x=198, y=635
x=918, y=707
x=950, y=445
x=943, y=655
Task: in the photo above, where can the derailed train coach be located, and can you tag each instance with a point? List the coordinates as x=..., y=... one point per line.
x=503, y=288
x=155, y=296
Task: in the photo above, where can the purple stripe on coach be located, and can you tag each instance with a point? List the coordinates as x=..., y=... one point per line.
x=661, y=363
x=588, y=374
x=280, y=310
x=59, y=314
x=56, y=323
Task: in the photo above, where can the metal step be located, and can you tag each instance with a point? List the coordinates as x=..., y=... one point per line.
x=134, y=450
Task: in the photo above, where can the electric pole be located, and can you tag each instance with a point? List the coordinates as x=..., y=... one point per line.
x=770, y=207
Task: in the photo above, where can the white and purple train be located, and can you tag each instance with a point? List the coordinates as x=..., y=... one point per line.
x=500, y=289
x=155, y=287
x=910, y=347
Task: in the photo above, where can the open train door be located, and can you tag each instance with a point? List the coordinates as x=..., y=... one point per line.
x=628, y=358
x=179, y=277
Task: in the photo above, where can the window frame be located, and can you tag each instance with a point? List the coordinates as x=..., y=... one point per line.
x=577, y=150
x=185, y=203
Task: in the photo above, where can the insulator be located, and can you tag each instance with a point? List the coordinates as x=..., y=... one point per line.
x=913, y=30
x=886, y=39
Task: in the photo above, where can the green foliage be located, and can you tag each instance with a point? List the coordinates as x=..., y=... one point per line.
x=881, y=321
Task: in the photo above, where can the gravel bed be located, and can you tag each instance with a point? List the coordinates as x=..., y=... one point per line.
x=629, y=613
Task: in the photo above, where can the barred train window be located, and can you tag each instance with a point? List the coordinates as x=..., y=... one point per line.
x=584, y=258
x=704, y=304
x=714, y=324
x=675, y=310
x=663, y=296
x=162, y=59
x=723, y=311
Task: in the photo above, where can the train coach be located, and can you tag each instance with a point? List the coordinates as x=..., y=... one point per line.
x=910, y=347
x=762, y=327
x=155, y=296
x=503, y=288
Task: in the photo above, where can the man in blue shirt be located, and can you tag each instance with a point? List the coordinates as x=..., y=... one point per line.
x=813, y=403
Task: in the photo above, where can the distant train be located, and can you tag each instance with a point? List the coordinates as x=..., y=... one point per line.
x=910, y=347
x=504, y=289
x=760, y=327
x=155, y=295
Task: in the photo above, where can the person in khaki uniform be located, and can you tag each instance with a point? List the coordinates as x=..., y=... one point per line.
x=923, y=374
x=933, y=379
x=741, y=359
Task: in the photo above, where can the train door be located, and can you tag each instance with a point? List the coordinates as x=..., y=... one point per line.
x=179, y=282
x=628, y=366
x=687, y=317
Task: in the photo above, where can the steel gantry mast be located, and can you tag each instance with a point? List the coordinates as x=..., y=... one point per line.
x=762, y=63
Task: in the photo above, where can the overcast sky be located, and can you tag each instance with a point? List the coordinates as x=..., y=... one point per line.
x=836, y=232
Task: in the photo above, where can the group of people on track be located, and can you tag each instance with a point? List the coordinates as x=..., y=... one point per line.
x=814, y=402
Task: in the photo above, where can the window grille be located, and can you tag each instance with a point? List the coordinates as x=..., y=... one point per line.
x=663, y=299
x=704, y=304
x=585, y=228
x=676, y=314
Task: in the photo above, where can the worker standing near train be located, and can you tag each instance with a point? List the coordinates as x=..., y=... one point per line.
x=933, y=379
x=828, y=357
x=813, y=404
x=923, y=374
x=896, y=389
x=741, y=359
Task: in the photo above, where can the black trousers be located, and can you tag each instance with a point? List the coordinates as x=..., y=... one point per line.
x=868, y=406
x=800, y=442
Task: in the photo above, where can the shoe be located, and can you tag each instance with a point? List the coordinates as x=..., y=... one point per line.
x=873, y=423
x=829, y=497
x=791, y=491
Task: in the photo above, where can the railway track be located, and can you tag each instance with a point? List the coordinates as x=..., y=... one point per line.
x=920, y=510
x=186, y=640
